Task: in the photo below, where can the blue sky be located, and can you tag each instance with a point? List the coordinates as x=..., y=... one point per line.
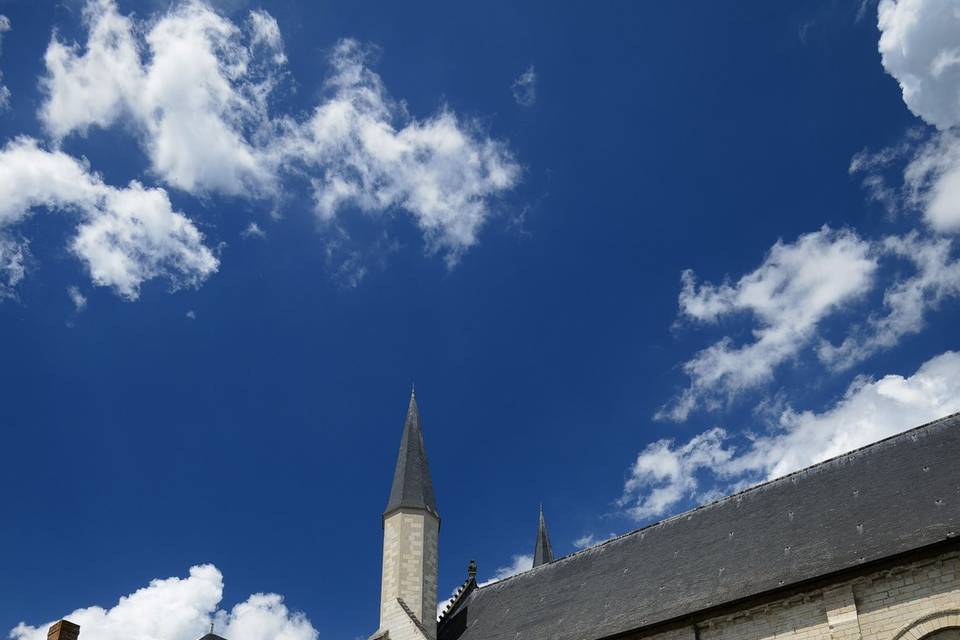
x=635, y=256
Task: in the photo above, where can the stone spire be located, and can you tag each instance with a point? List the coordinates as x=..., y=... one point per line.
x=543, y=553
x=412, y=486
x=411, y=531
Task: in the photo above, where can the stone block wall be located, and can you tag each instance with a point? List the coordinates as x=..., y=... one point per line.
x=410, y=566
x=904, y=602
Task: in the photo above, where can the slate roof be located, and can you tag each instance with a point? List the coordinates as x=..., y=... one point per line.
x=895, y=496
x=412, y=486
x=542, y=553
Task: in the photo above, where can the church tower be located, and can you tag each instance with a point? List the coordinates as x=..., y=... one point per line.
x=411, y=527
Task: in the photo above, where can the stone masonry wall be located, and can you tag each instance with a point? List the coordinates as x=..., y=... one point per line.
x=431, y=535
x=401, y=627
x=410, y=567
x=902, y=603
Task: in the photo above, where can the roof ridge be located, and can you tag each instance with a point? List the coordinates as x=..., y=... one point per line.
x=413, y=616
x=459, y=595
x=713, y=503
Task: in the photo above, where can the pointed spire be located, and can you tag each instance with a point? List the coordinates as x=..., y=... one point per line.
x=543, y=553
x=412, y=486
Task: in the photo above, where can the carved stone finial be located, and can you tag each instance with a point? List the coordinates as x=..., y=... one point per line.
x=472, y=570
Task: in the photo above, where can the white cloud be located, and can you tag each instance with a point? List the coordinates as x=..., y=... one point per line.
x=591, y=539
x=525, y=88
x=253, y=230
x=873, y=165
x=920, y=48
x=4, y=91
x=441, y=170
x=265, y=32
x=13, y=268
x=932, y=181
x=518, y=564
x=190, y=89
x=196, y=87
x=797, y=285
x=667, y=475
x=125, y=236
x=182, y=609
x=77, y=298
x=906, y=301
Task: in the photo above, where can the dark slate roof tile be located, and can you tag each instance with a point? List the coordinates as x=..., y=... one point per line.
x=895, y=496
x=412, y=485
x=542, y=553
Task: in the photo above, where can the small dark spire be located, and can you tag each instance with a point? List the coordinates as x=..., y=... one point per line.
x=543, y=553
x=412, y=485
x=472, y=570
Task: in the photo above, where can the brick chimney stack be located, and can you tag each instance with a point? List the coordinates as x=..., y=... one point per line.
x=63, y=630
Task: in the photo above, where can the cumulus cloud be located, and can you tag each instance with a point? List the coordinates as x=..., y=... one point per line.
x=525, y=88
x=196, y=88
x=125, y=236
x=936, y=277
x=191, y=90
x=920, y=47
x=518, y=564
x=442, y=170
x=183, y=609
x=667, y=474
x=787, y=296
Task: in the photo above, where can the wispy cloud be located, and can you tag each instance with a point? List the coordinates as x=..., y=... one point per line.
x=787, y=296
x=591, y=539
x=5, y=26
x=936, y=278
x=253, y=230
x=14, y=252
x=667, y=475
x=77, y=298
x=518, y=564
x=525, y=88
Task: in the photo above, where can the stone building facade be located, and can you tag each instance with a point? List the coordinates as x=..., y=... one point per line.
x=861, y=547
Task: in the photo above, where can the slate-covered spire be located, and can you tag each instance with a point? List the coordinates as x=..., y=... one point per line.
x=412, y=486
x=543, y=553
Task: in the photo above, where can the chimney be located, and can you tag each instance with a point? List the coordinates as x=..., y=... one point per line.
x=63, y=630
